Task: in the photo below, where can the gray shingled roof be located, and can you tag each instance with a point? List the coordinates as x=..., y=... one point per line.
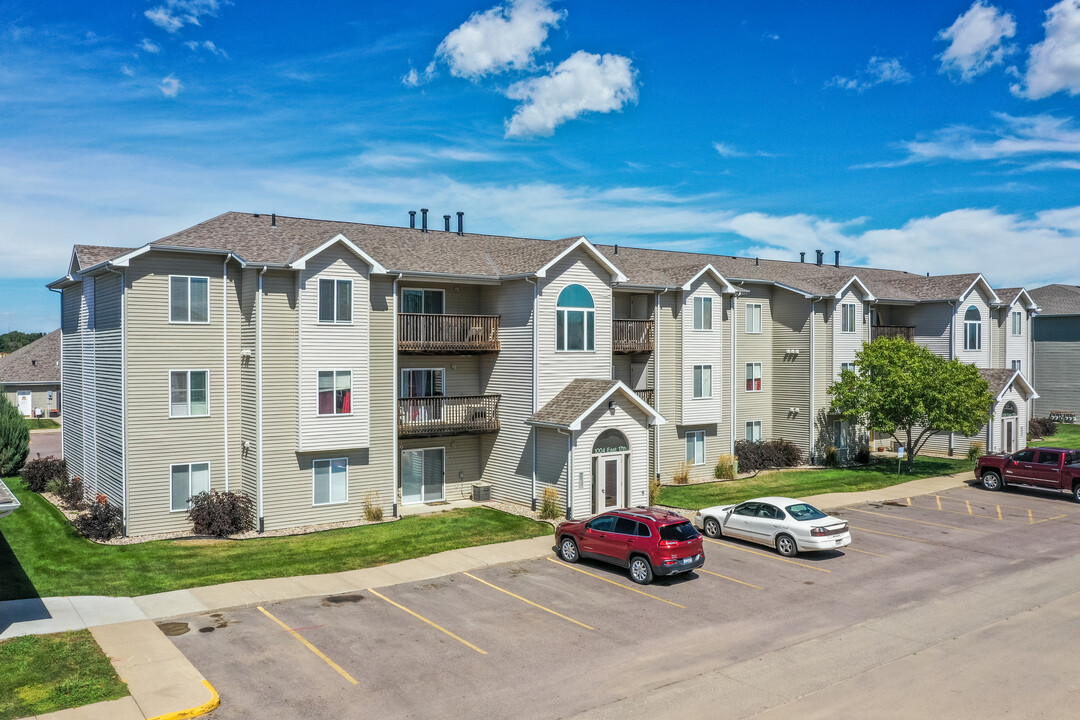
x=998, y=378
x=1057, y=299
x=575, y=399
x=38, y=362
x=90, y=255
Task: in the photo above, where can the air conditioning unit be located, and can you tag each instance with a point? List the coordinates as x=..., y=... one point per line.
x=481, y=492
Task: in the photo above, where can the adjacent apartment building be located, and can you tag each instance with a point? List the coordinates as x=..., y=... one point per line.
x=319, y=365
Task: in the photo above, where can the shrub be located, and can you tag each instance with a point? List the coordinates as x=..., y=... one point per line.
x=725, y=467
x=761, y=455
x=55, y=486
x=14, y=439
x=372, y=508
x=72, y=493
x=38, y=473
x=975, y=451
x=654, y=491
x=862, y=456
x=1042, y=427
x=549, y=503
x=682, y=474
x=221, y=513
x=102, y=521
x=832, y=457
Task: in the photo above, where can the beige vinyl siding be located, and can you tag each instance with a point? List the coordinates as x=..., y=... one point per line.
x=458, y=298
x=756, y=348
x=1055, y=355
x=1000, y=325
x=845, y=345
x=978, y=358
x=155, y=347
x=461, y=373
x=673, y=449
x=790, y=314
x=507, y=455
x=669, y=393
x=552, y=462
x=461, y=455
x=932, y=323
x=632, y=422
x=333, y=346
x=996, y=430
x=247, y=367
x=39, y=395
x=703, y=347
x=108, y=386
x=71, y=377
x=824, y=362
x=378, y=478
x=87, y=307
x=557, y=369
x=234, y=383
x=1016, y=346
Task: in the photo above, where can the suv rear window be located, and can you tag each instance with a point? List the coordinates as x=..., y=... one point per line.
x=678, y=531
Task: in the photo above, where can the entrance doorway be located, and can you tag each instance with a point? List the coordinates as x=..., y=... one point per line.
x=423, y=476
x=611, y=475
x=25, y=403
x=1008, y=427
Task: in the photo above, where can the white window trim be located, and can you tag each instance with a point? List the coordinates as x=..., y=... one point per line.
x=401, y=376
x=847, y=366
x=208, y=395
x=843, y=318
x=1016, y=323
x=189, y=321
x=209, y=475
x=330, y=462
x=751, y=423
x=352, y=391
x=694, y=314
x=760, y=322
x=566, y=323
x=762, y=378
x=692, y=371
x=967, y=336
x=704, y=450
x=318, y=301
x=401, y=298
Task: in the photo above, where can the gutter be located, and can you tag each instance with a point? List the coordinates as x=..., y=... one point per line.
x=123, y=388
x=225, y=359
x=259, y=391
x=656, y=375
x=62, y=341
x=395, y=453
x=569, y=472
x=813, y=321
x=535, y=282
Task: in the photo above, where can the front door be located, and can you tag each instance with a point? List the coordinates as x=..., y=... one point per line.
x=1008, y=432
x=423, y=477
x=25, y=403
x=609, y=484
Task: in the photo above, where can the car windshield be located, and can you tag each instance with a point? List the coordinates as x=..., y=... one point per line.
x=802, y=511
x=678, y=531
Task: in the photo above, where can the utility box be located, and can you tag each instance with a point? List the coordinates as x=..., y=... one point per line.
x=481, y=492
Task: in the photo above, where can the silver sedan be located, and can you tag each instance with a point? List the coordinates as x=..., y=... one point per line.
x=789, y=525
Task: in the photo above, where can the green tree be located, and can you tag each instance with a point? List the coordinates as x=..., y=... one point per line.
x=14, y=438
x=905, y=390
x=12, y=341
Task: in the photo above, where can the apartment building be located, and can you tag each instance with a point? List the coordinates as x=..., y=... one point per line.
x=319, y=365
x=1055, y=346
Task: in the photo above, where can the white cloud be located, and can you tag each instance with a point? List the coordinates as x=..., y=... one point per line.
x=584, y=82
x=150, y=46
x=175, y=14
x=1054, y=64
x=1015, y=138
x=975, y=41
x=416, y=79
x=127, y=71
x=727, y=150
x=207, y=45
x=499, y=39
x=170, y=86
x=879, y=71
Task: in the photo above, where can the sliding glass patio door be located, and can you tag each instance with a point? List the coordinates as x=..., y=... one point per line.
x=423, y=477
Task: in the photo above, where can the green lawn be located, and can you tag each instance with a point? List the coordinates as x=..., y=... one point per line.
x=1068, y=435
x=41, y=424
x=45, y=673
x=42, y=555
x=802, y=483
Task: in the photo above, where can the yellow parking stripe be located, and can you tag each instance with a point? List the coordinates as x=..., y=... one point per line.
x=434, y=625
x=1007, y=507
x=768, y=555
x=530, y=602
x=710, y=572
x=921, y=522
x=864, y=552
x=878, y=532
x=309, y=646
x=956, y=512
x=624, y=587
x=1056, y=517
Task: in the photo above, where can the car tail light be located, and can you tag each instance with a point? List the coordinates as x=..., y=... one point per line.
x=824, y=532
x=669, y=543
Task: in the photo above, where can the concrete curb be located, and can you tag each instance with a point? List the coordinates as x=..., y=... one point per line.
x=922, y=486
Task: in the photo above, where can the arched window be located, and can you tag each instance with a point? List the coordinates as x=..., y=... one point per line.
x=575, y=320
x=610, y=441
x=973, y=329
x=1009, y=410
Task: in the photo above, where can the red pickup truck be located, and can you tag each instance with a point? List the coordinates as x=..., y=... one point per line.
x=1054, y=468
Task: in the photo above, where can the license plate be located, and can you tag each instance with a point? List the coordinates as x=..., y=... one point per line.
x=686, y=561
x=839, y=541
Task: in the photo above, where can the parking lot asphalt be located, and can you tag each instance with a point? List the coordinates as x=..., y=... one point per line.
x=544, y=639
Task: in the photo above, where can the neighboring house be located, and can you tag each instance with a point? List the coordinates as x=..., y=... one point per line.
x=316, y=365
x=1056, y=348
x=30, y=376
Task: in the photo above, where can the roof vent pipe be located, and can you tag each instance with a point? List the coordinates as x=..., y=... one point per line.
x=423, y=219
x=802, y=257
x=756, y=263
x=273, y=220
x=460, y=223
x=820, y=257
x=446, y=223
x=836, y=262
x=616, y=249
x=412, y=219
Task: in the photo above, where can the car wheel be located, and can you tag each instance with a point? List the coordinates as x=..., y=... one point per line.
x=785, y=545
x=1076, y=491
x=568, y=550
x=640, y=570
x=991, y=480
x=711, y=527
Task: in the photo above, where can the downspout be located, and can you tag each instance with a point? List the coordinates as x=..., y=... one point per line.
x=952, y=354
x=123, y=390
x=396, y=454
x=813, y=321
x=61, y=294
x=225, y=358
x=259, y=392
x=536, y=288
x=569, y=471
x=656, y=377
x=734, y=359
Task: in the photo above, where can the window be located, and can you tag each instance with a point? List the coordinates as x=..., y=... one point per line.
x=421, y=382
x=753, y=317
x=972, y=329
x=1049, y=457
x=422, y=301
x=335, y=301
x=1024, y=456
x=753, y=377
x=604, y=523
x=703, y=313
x=847, y=317
x=189, y=299
x=335, y=392
x=753, y=431
x=702, y=381
x=575, y=320
x=330, y=481
x=1015, y=364
x=847, y=366
x=1009, y=410
x=625, y=526
x=695, y=447
x=1017, y=319
x=188, y=394
x=188, y=481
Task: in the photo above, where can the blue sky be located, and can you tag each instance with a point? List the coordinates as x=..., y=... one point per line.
x=925, y=136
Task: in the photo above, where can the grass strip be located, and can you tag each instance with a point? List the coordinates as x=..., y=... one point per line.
x=1068, y=436
x=41, y=424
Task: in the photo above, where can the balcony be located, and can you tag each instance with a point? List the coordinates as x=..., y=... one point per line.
x=892, y=331
x=647, y=395
x=431, y=334
x=631, y=336
x=435, y=416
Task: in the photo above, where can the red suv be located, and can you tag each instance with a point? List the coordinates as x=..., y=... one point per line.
x=645, y=540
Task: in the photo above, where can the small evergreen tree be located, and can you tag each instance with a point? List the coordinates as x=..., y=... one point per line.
x=14, y=438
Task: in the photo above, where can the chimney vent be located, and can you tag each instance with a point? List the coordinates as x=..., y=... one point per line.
x=836, y=262
x=423, y=219
x=616, y=249
x=460, y=223
x=820, y=257
x=412, y=219
x=273, y=220
x=446, y=223
x=756, y=263
x=802, y=257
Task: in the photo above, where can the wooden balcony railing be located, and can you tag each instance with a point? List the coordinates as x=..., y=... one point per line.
x=647, y=395
x=461, y=415
x=631, y=336
x=431, y=334
x=892, y=331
